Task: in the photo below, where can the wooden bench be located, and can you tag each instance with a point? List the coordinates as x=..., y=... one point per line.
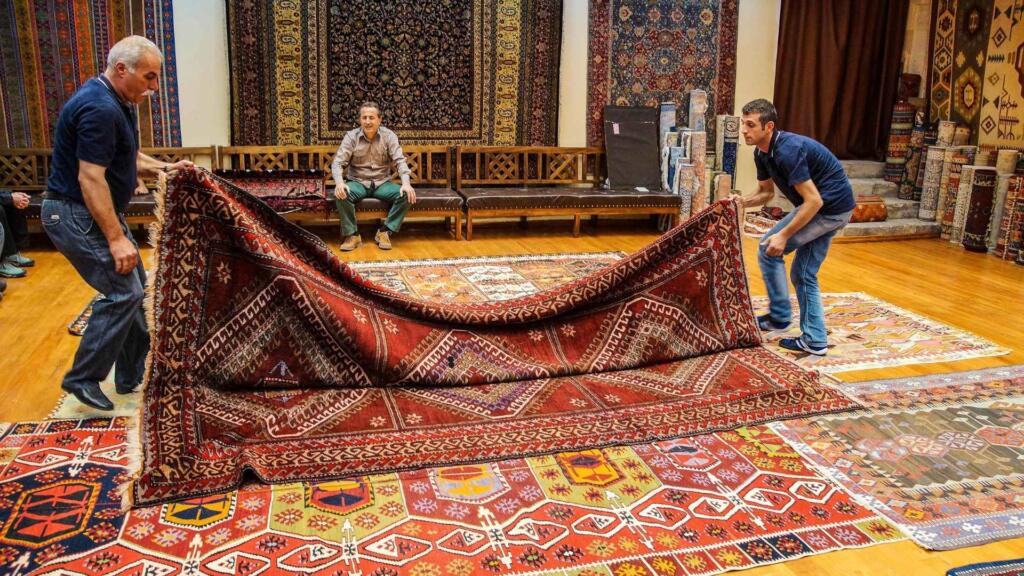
x=430, y=168
x=524, y=181
x=26, y=170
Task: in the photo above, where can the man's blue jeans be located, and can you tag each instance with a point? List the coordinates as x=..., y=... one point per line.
x=117, y=329
x=811, y=244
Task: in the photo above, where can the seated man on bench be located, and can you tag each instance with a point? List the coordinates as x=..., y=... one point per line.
x=362, y=168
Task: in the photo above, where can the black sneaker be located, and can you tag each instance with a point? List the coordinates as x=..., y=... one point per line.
x=798, y=345
x=766, y=323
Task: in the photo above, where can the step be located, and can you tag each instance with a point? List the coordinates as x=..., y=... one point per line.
x=863, y=168
x=877, y=186
x=892, y=229
x=900, y=209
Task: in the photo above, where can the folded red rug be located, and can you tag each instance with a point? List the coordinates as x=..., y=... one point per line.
x=270, y=355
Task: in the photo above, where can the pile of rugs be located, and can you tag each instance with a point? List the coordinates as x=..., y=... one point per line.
x=976, y=194
x=561, y=414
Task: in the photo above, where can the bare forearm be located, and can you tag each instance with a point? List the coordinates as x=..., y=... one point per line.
x=148, y=166
x=804, y=213
x=97, y=199
x=758, y=198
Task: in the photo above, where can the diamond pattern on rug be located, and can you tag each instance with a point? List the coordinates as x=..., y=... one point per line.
x=703, y=505
x=942, y=457
x=866, y=332
x=59, y=489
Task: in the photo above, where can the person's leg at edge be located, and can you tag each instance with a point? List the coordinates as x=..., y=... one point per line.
x=347, y=209
x=80, y=240
x=392, y=193
x=773, y=272
x=804, y=274
x=131, y=361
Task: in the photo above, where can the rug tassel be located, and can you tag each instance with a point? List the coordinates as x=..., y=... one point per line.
x=134, y=452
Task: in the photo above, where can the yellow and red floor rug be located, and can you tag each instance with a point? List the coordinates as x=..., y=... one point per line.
x=701, y=505
x=941, y=456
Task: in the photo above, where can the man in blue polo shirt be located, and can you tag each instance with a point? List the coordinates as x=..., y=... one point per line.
x=95, y=162
x=812, y=179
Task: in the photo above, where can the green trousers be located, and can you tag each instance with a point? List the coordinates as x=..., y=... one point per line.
x=388, y=192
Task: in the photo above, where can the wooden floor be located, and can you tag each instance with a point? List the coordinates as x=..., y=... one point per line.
x=931, y=277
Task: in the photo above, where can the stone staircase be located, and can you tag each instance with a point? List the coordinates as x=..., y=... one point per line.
x=866, y=178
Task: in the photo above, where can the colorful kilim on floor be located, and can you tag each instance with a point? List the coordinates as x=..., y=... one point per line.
x=60, y=490
x=702, y=505
x=865, y=332
x=483, y=279
x=646, y=52
x=942, y=457
x=49, y=48
x=450, y=72
x=1003, y=568
x=77, y=326
x=289, y=364
x=1003, y=105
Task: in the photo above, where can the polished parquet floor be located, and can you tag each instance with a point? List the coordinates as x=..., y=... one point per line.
x=931, y=277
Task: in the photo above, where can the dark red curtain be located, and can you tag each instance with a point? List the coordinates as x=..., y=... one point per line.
x=838, y=70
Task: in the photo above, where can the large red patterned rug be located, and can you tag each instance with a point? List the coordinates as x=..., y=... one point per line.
x=270, y=355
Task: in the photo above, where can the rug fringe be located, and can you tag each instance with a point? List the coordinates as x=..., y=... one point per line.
x=134, y=451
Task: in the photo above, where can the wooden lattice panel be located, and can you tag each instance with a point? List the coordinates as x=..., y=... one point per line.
x=502, y=166
x=266, y=161
x=562, y=167
x=415, y=162
x=19, y=170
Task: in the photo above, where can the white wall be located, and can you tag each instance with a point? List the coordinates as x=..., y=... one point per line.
x=201, y=45
x=572, y=85
x=756, y=48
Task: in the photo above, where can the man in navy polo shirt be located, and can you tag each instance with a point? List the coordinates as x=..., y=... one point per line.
x=812, y=179
x=95, y=162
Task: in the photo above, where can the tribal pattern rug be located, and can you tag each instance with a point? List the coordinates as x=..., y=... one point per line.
x=49, y=48
x=1003, y=104
x=460, y=72
x=283, y=190
x=941, y=456
x=643, y=53
x=703, y=505
x=941, y=47
x=1003, y=568
x=269, y=354
x=866, y=332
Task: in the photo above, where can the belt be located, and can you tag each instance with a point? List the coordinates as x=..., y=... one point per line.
x=51, y=195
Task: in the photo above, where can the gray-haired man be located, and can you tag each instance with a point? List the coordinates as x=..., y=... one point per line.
x=96, y=160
